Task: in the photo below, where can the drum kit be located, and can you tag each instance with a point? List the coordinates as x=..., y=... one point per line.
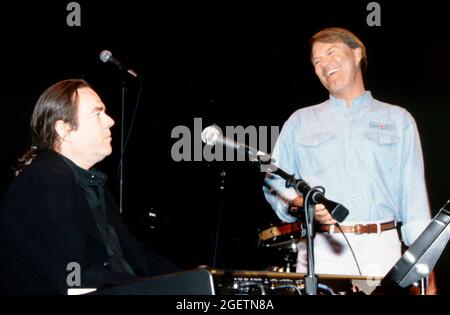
x=283, y=238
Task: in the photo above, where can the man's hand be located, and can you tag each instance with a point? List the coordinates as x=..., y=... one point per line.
x=297, y=202
x=322, y=216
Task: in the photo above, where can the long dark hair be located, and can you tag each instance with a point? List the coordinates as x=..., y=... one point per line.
x=58, y=102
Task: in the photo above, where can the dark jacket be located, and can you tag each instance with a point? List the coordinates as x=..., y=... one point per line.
x=46, y=224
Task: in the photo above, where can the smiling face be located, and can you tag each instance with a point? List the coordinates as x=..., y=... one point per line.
x=338, y=68
x=90, y=142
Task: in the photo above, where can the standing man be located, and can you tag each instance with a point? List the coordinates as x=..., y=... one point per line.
x=58, y=213
x=367, y=155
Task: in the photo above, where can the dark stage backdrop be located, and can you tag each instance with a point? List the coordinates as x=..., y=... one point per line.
x=225, y=62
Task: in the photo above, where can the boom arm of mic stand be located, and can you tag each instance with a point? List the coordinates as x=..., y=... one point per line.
x=291, y=182
x=337, y=211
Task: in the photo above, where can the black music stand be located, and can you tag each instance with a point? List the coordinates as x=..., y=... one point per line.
x=419, y=260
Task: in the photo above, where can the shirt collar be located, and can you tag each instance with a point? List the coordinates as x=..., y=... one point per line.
x=361, y=101
x=90, y=177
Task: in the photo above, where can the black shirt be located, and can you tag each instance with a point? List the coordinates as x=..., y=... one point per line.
x=93, y=182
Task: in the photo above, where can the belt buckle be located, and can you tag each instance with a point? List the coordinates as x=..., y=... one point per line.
x=357, y=229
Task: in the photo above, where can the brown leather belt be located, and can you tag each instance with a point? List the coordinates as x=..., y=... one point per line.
x=360, y=228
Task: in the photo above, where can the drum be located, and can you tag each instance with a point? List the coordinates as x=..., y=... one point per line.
x=283, y=235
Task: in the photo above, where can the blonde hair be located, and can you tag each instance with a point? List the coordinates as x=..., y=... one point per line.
x=341, y=35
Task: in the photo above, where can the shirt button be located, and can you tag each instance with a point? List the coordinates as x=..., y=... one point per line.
x=106, y=264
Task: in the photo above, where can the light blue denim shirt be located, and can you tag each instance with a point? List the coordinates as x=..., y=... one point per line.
x=368, y=157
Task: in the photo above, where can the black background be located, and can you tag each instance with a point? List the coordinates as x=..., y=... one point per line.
x=230, y=63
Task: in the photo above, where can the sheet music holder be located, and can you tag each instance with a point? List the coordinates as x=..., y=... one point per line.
x=419, y=260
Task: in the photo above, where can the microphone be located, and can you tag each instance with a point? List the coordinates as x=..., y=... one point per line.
x=212, y=135
x=337, y=211
x=107, y=56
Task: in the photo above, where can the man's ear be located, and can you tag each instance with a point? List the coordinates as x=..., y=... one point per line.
x=357, y=52
x=62, y=129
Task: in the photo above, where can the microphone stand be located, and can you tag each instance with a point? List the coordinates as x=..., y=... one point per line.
x=122, y=128
x=219, y=216
x=311, y=279
x=106, y=56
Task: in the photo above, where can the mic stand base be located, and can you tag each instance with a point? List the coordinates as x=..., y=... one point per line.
x=311, y=284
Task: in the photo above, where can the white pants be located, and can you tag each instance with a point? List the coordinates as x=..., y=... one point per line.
x=376, y=253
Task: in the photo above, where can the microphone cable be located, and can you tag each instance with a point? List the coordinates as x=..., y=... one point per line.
x=310, y=221
x=133, y=118
x=130, y=128
x=350, y=247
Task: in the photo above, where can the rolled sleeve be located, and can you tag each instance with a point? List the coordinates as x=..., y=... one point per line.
x=415, y=210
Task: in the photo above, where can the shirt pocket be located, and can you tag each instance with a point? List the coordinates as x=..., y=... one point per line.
x=315, y=152
x=380, y=153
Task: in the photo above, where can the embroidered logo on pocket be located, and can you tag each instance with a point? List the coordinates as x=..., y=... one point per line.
x=381, y=126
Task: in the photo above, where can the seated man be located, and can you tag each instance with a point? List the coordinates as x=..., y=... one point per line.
x=58, y=214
